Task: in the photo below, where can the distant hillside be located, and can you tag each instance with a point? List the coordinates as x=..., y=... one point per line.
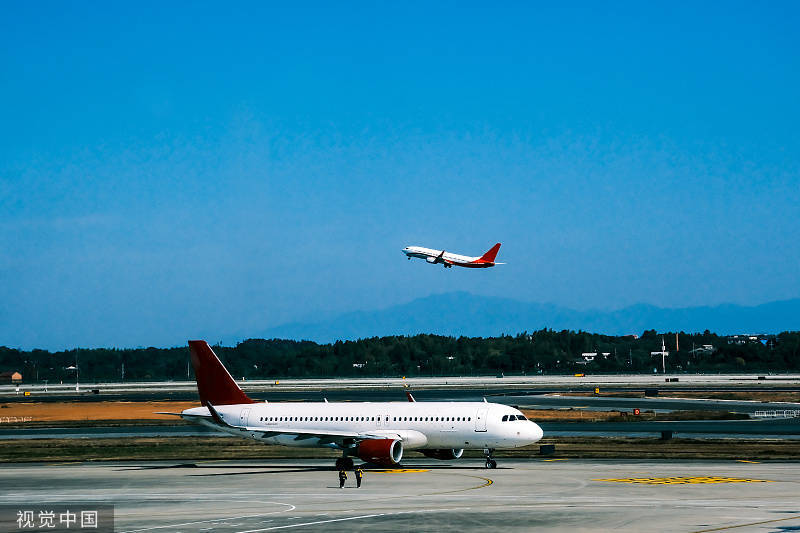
x=465, y=314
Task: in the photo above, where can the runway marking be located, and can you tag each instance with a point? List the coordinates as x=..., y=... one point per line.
x=746, y=461
x=486, y=483
x=172, y=526
x=683, y=480
x=551, y=460
x=351, y=518
x=398, y=471
x=723, y=528
x=314, y=523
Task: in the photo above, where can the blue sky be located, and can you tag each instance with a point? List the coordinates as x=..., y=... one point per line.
x=196, y=170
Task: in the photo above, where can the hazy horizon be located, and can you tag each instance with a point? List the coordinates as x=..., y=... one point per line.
x=394, y=320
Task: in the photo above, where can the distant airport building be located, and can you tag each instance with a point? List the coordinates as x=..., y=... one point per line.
x=704, y=349
x=588, y=357
x=749, y=337
x=10, y=377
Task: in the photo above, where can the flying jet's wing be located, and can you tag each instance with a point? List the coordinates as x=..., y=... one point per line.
x=440, y=259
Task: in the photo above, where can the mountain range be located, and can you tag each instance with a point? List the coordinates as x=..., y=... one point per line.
x=461, y=313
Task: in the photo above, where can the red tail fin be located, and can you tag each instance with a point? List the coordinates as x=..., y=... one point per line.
x=214, y=383
x=491, y=254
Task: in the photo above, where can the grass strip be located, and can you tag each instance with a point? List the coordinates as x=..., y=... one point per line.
x=209, y=448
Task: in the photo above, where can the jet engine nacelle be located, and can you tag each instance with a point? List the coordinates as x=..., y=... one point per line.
x=431, y=259
x=386, y=452
x=444, y=455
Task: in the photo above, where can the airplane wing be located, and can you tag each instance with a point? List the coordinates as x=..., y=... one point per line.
x=183, y=415
x=445, y=262
x=300, y=433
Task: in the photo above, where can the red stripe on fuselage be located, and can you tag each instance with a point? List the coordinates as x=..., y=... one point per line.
x=475, y=264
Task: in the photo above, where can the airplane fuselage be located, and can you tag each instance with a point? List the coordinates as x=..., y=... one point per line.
x=420, y=425
x=448, y=259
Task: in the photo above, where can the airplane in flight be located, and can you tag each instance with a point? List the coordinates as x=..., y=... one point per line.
x=448, y=260
x=374, y=432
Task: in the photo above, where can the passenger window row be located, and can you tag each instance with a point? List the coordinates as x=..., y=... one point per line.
x=367, y=419
x=318, y=419
x=431, y=419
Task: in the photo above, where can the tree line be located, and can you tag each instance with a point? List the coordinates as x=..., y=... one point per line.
x=541, y=352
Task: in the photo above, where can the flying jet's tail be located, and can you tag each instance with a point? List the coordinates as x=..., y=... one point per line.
x=214, y=384
x=491, y=254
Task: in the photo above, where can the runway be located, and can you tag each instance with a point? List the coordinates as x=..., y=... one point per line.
x=583, y=495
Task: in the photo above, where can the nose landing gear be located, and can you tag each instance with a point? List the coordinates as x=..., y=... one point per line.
x=490, y=462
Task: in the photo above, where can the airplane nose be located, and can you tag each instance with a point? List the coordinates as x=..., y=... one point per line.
x=536, y=432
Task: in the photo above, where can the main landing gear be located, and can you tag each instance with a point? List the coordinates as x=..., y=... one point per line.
x=490, y=463
x=344, y=463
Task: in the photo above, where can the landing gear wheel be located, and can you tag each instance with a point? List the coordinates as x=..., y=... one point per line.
x=490, y=463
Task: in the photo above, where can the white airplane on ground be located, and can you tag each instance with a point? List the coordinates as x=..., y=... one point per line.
x=447, y=260
x=374, y=432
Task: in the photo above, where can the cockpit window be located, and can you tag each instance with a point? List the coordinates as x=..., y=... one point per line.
x=521, y=417
x=505, y=418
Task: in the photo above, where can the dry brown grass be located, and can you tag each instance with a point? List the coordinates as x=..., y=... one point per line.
x=92, y=411
x=570, y=415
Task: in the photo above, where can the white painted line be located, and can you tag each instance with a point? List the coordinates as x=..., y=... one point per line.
x=292, y=508
x=353, y=518
x=314, y=523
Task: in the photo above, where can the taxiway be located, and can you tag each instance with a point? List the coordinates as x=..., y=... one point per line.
x=554, y=495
